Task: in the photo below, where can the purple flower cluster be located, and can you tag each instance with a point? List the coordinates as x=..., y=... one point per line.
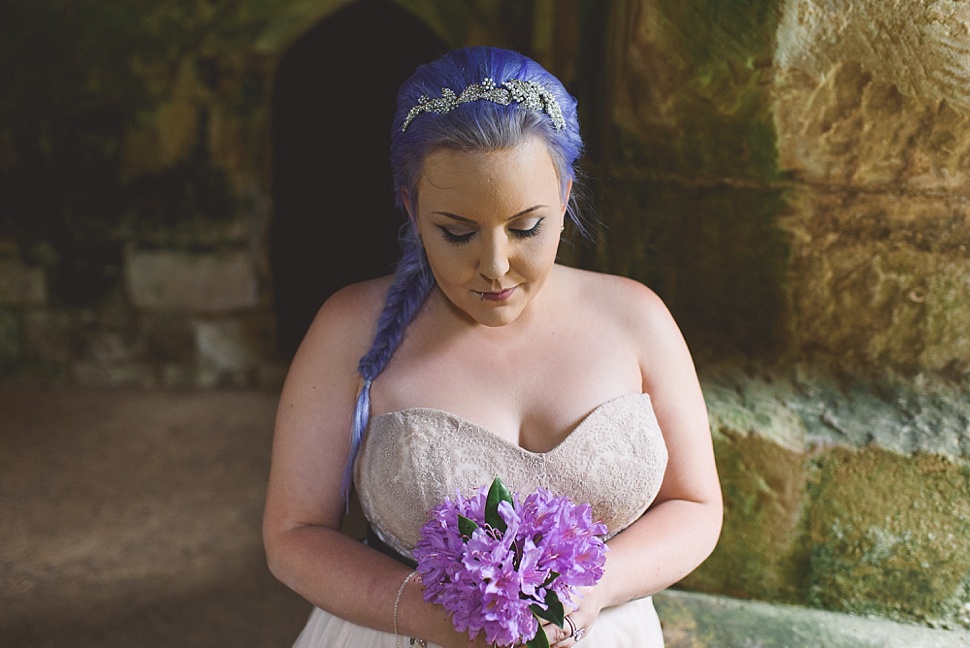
x=499, y=579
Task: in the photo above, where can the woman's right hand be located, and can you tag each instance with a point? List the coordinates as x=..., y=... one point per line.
x=446, y=636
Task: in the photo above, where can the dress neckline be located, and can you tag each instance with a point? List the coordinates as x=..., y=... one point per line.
x=583, y=423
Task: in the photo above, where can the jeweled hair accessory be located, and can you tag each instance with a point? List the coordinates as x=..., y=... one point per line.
x=528, y=93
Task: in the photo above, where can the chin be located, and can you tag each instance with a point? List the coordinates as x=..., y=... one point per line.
x=495, y=317
x=487, y=314
x=496, y=322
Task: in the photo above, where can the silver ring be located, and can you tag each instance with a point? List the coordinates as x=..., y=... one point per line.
x=579, y=634
x=572, y=627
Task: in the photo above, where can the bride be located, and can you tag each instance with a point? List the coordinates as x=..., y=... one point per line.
x=482, y=357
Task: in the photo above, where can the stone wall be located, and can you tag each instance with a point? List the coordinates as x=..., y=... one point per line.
x=133, y=201
x=792, y=178
x=135, y=183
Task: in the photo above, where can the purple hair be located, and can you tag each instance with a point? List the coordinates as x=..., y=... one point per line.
x=475, y=126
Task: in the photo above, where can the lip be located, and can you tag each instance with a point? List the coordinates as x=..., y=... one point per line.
x=499, y=296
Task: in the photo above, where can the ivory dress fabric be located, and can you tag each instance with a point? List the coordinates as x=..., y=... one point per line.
x=414, y=458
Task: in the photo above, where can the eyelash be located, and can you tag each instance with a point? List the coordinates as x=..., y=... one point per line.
x=461, y=239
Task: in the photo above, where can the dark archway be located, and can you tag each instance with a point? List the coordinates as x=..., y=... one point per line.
x=334, y=220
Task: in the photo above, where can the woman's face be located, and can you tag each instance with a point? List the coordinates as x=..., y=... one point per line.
x=490, y=224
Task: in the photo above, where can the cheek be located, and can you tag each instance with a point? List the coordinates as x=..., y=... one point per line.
x=449, y=263
x=539, y=259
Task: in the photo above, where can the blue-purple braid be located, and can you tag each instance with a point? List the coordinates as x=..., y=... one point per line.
x=412, y=283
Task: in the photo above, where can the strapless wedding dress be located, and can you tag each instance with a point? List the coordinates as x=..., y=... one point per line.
x=412, y=459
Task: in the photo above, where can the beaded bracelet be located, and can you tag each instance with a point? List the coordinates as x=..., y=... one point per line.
x=397, y=603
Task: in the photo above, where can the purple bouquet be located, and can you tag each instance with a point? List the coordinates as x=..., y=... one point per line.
x=500, y=564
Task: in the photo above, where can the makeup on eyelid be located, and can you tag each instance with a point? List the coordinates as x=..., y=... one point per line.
x=461, y=237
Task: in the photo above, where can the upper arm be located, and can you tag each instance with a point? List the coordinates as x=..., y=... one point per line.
x=669, y=376
x=311, y=440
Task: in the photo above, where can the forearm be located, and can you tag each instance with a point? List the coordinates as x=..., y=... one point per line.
x=353, y=581
x=659, y=549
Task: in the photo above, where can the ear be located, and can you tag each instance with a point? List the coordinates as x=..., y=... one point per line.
x=566, y=195
x=409, y=207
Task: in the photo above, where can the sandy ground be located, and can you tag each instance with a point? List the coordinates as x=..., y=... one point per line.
x=131, y=518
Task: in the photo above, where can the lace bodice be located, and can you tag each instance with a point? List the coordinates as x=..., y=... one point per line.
x=412, y=459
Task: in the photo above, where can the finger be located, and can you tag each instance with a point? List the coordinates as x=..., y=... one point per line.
x=554, y=634
x=557, y=638
x=568, y=636
x=561, y=637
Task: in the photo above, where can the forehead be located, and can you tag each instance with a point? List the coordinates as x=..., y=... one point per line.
x=525, y=166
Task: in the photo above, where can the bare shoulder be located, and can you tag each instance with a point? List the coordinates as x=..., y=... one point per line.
x=344, y=325
x=632, y=313
x=634, y=316
x=364, y=299
x=622, y=300
x=322, y=380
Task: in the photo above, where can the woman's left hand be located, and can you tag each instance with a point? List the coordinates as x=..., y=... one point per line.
x=578, y=622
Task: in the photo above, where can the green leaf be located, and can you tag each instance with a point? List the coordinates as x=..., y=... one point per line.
x=540, y=640
x=554, y=612
x=466, y=527
x=497, y=493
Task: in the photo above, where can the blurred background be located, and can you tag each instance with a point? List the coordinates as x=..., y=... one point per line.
x=183, y=182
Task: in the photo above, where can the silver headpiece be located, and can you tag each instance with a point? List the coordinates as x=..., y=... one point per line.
x=528, y=93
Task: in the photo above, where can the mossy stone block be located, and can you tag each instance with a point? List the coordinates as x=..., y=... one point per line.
x=694, y=96
x=759, y=554
x=700, y=621
x=890, y=535
x=881, y=281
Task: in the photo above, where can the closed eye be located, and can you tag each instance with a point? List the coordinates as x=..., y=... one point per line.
x=462, y=237
x=453, y=237
x=528, y=233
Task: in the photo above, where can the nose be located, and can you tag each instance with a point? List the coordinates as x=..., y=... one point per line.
x=494, y=262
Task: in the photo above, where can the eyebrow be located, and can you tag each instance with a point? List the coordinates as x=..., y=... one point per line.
x=471, y=222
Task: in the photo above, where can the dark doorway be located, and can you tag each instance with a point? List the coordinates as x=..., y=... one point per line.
x=334, y=220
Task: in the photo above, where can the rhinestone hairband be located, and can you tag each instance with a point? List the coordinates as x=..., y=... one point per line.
x=528, y=93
